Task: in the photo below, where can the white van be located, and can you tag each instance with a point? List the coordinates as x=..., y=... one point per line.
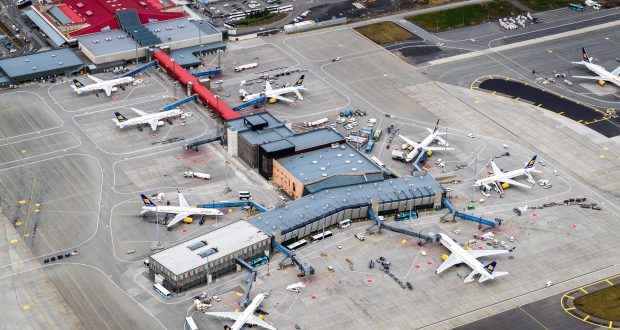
x=344, y=223
x=359, y=236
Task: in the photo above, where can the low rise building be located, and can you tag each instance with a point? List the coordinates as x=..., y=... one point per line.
x=211, y=255
x=49, y=64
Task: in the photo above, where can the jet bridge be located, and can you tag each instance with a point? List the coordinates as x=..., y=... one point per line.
x=465, y=216
x=218, y=205
x=305, y=269
x=140, y=69
x=245, y=300
x=247, y=104
x=179, y=103
x=428, y=237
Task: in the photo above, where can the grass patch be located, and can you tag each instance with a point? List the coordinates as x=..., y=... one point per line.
x=463, y=16
x=261, y=20
x=540, y=5
x=384, y=33
x=604, y=304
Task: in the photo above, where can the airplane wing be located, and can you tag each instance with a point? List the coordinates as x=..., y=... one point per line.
x=182, y=201
x=298, y=95
x=437, y=148
x=95, y=79
x=139, y=112
x=485, y=253
x=253, y=320
x=281, y=98
x=228, y=315
x=177, y=219
x=409, y=142
x=153, y=123
x=496, y=169
x=452, y=260
x=440, y=139
x=108, y=90
x=514, y=183
x=589, y=77
x=616, y=72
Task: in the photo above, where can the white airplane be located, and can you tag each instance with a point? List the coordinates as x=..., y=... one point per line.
x=498, y=177
x=460, y=255
x=602, y=75
x=182, y=211
x=145, y=118
x=276, y=94
x=108, y=86
x=424, y=145
x=245, y=317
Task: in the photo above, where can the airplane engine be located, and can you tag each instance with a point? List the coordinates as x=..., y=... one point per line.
x=601, y=82
x=486, y=188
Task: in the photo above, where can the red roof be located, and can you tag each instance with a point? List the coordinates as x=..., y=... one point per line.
x=100, y=14
x=225, y=111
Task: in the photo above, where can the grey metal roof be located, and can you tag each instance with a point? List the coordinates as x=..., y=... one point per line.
x=187, y=57
x=171, y=30
x=108, y=42
x=59, y=15
x=116, y=45
x=326, y=162
x=56, y=38
x=335, y=181
x=52, y=60
x=239, y=126
x=315, y=138
x=313, y=207
x=261, y=136
x=228, y=239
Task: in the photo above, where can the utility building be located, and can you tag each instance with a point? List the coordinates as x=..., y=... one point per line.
x=213, y=254
x=35, y=66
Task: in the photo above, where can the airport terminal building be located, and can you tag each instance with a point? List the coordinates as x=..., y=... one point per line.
x=43, y=65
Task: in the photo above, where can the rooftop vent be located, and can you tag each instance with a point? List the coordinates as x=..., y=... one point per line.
x=53, y=55
x=322, y=168
x=359, y=161
x=34, y=68
x=338, y=155
x=347, y=162
x=324, y=174
x=27, y=60
x=353, y=169
x=60, y=63
x=315, y=162
x=351, y=155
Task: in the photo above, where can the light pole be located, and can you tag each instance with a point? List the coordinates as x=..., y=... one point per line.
x=199, y=34
x=445, y=145
x=135, y=34
x=208, y=279
x=157, y=229
x=473, y=190
x=219, y=52
x=410, y=204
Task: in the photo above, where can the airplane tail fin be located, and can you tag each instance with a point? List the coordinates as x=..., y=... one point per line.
x=120, y=118
x=268, y=86
x=300, y=81
x=77, y=84
x=584, y=55
x=147, y=201
x=436, y=126
x=531, y=163
x=490, y=267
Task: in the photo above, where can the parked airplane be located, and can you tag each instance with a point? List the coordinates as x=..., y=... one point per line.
x=108, y=86
x=145, y=118
x=424, y=145
x=602, y=75
x=276, y=94
x=182, y=211
x=460, y=255
x=498, y=177
x=245, y=317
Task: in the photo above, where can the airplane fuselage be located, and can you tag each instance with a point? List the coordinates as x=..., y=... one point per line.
x=179, y=209
x=602, y=72
x=102, y=85
x=499, y=177
x=238, y=325
x=468, y=259
x=146, y=119
x=275, y=92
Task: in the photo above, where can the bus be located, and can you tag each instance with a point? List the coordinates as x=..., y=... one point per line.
x=285, y=8
x=377, y=134
x=344, y=223
x=273, y=9
x=321, y=236
x=576, y=7
x=370, y=145
x=297, y=245
x=405, y=216
x=259, y=261
x=245, y=195
x=162, y=291
x=190, y=324
x=377, y=161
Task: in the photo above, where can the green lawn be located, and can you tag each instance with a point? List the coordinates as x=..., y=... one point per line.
x=463, y=16
x=384, y=32
x=541, y=5
x=258, y=21
x=604, y=303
